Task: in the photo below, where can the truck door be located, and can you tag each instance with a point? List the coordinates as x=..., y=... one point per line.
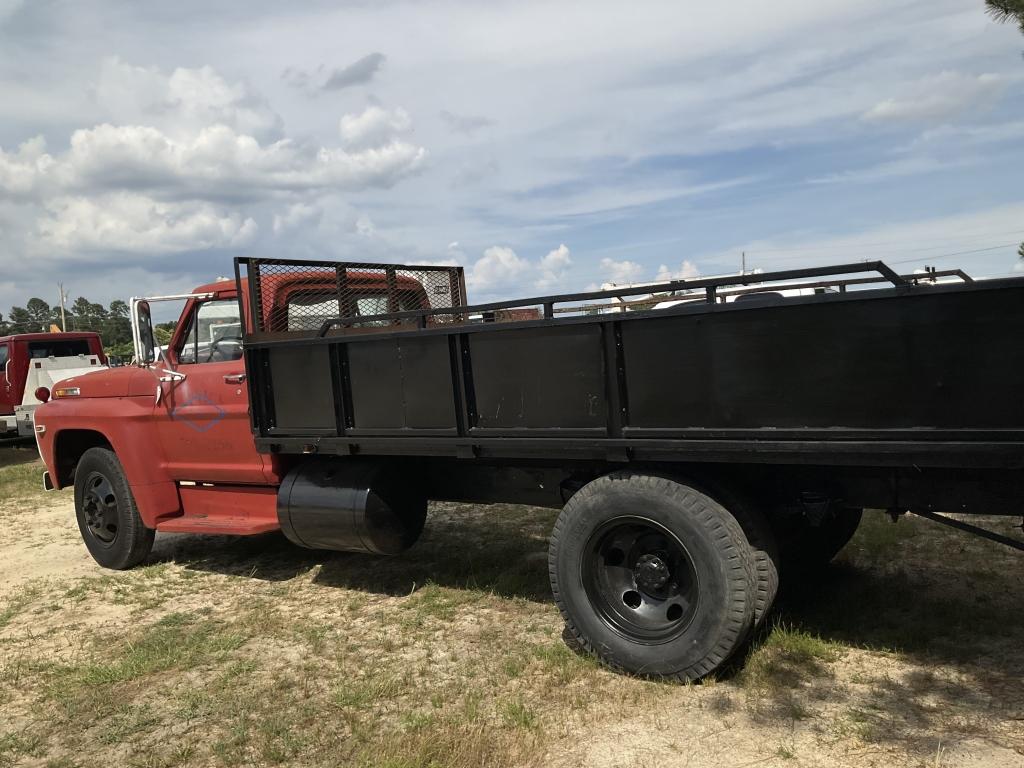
x=6, y=385
x=203, y=419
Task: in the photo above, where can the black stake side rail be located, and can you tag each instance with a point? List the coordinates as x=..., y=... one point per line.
x=906, y=376
x=710, y=286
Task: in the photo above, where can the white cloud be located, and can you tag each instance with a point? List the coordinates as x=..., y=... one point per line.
x=21, y=171
x=125, y=221
x=502, y=269
x=185, y=181
x=215, y=162
x=497, y=268
x=687, y=271
x=295, y=216
x=553, y=267
x=940, y=97
x=621, y=272
x=373, y=127
x=183, y=102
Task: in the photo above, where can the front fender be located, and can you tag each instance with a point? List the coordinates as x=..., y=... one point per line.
x=125, y=423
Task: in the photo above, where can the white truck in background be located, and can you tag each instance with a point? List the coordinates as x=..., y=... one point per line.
x=30, y=362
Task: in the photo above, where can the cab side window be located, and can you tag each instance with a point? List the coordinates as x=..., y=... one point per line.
x=213, y=333
x=4, y=355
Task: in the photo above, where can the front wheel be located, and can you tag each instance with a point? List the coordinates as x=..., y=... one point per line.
x=107, y=516
x=652, y=576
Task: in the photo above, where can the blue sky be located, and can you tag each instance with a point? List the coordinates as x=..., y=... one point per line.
x=544, y=146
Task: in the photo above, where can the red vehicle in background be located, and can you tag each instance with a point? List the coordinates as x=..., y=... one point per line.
x=29, y=361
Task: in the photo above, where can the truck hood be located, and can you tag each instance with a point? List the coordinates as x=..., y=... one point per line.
x=106, y=382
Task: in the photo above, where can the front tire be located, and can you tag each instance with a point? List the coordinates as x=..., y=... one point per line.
x=108, y=518
x=652, y=576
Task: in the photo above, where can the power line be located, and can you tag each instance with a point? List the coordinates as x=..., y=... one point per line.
x=958, y=253
x=882, y=244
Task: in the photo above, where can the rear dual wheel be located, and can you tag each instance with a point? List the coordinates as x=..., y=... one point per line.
x=654, y=577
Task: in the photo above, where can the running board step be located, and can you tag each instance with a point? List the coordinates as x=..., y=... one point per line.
x=233, y=526
x=234, y=510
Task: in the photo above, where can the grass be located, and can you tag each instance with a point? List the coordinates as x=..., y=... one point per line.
x=18, y=602
x=518, y=715
x=21, y=478
x=230, y=653
x=788, y=657
x=179, y=640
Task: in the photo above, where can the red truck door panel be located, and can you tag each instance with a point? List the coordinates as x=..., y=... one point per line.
x=203, y=419
x=6, y=385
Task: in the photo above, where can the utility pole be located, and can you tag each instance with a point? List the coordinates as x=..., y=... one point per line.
x=743, y=267
x=63, y=296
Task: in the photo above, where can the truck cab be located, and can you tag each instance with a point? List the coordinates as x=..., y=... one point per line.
x=176, y=425
x=29, y=361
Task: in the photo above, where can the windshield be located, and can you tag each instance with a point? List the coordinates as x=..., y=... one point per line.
x=308, y=311
x=58, y=348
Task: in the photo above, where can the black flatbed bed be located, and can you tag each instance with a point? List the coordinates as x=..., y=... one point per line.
x=918, y=377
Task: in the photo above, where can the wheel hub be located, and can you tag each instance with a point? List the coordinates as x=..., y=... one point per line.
x=651, y=572
x=640, y=579
x=99, y=504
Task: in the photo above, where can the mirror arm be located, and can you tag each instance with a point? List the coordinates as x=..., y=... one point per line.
x=168, y=376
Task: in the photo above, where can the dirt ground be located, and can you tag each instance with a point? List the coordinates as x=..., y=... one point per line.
x=224, y=652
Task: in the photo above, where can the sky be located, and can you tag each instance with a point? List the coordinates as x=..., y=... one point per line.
x=545, y=146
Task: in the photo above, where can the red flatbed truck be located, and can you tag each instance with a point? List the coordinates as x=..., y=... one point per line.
x=694, y=451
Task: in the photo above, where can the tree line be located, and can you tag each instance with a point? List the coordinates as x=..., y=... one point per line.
x=111, y=322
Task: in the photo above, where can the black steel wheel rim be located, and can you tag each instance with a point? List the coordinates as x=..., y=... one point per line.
x=99, y=505
x=640, y=579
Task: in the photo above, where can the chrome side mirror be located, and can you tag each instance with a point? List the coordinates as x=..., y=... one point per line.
x=142, y=333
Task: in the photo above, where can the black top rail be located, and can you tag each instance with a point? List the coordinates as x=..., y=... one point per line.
x=915, y=279
x=710, y=285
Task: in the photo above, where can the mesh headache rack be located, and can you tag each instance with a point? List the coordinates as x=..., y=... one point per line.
x=313, y=298
x=298, y=297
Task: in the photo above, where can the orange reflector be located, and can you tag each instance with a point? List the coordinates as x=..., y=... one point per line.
x=67, y=392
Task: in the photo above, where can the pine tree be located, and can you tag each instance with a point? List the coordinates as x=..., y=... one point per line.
x=39, y=311
x=1007, y=10
x=1020, y=251
x=21, y=321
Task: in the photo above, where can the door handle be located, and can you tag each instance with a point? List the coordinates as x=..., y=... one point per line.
x=234, y=378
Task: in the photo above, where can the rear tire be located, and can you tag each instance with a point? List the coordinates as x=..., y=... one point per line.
x=108, y=518
x=652, y=576
x=763, y=547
